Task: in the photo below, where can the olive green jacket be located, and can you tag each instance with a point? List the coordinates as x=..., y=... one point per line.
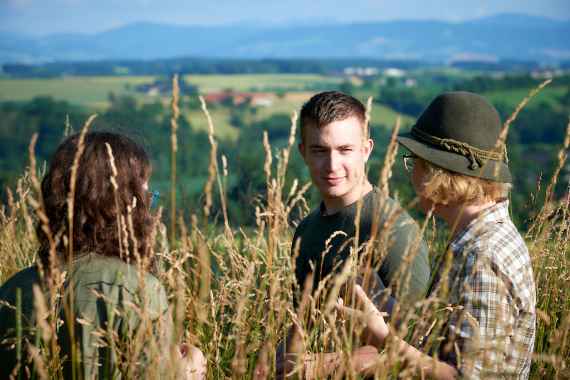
x=115, y=310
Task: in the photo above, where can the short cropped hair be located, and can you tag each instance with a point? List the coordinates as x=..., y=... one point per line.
x=330, y=106
x=444, y=187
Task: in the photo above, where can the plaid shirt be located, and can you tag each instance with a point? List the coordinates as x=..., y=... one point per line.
x=491, y=290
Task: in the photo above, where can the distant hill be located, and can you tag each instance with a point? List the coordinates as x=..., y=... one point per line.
x=505, y=36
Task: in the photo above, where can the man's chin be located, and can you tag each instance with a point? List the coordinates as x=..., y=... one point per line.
x=333, y=192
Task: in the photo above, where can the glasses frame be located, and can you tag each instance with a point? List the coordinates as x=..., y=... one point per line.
x=154, y=198
x=409, y=161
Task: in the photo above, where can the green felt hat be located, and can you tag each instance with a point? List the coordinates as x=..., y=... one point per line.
x=459, y=131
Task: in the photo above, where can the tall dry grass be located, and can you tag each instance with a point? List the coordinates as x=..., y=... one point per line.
x=231, y=292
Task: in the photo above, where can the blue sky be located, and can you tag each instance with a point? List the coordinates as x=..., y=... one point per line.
x=40, y=17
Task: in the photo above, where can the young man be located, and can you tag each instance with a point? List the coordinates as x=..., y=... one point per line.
x=460, y=171
x=335, y=147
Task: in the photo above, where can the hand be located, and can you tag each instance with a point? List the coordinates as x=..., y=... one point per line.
x=364, y=358
x=368, y=314
x=285, y=364
x=193, y=362
x=261, y=371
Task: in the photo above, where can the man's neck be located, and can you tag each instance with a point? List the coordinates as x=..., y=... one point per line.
x=458, y=217
x=334, y=205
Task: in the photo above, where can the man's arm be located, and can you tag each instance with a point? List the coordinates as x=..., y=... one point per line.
x=375, y=324
x=406, y=262
x=292, y=359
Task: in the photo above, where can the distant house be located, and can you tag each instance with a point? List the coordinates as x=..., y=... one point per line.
x=163, y=87
x=410, y=82
x=217, y=97
x=393, y=72
x=262, y=99
x=360, y=71
x=546, y=74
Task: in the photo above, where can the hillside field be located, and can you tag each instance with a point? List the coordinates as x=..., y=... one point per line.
x=93, y=93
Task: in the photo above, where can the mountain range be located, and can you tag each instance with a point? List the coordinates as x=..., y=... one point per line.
x=504, y=36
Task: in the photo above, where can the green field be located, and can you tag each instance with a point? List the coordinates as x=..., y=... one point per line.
x=549, y=95
x=220, y=118
x=263, y=82
x=93, y=94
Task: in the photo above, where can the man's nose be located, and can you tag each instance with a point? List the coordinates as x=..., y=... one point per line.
x=333, y=161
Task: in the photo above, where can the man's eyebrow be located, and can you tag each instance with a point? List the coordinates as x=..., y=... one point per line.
x=316, y=146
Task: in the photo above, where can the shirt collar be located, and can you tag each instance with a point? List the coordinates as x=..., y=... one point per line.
x=494, y=214
x=349, y=210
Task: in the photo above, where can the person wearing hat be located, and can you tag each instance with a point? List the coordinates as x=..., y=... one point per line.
x=459, y=169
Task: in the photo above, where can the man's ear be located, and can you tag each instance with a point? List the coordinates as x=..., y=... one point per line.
x=367, y=147
x=301, y=148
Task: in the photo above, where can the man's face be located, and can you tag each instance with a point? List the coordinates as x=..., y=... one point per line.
x=336, y=155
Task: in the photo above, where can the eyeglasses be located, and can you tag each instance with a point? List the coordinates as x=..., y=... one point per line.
x=409, y=162
x=154, y=197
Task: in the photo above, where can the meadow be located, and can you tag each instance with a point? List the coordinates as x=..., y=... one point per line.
x=512, y=97
x=93, y=91
x=231, y=288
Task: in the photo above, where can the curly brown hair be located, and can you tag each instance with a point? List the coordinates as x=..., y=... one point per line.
x=99, y=212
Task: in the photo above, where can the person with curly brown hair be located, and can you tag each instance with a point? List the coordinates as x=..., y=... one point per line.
x=96, y=255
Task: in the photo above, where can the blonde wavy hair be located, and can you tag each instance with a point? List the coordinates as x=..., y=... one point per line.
x=443, y=187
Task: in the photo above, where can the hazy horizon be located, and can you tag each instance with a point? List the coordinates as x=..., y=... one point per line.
x=38, y=18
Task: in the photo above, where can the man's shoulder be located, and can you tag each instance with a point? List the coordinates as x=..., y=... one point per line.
x=112, y=279
x=390, y=210
x=22, y=279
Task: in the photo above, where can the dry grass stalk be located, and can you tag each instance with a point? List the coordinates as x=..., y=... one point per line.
x=213, y=166
x=39, y=205
x=286, y=152
x=68, y=130
x=173, y=150
x=68, y=308
x=55, y=279
x=389, y=160
x=562, y=156
x=231, y=337
x=221, y=189
x=501, y=141
x=365, y=136
x=73, y=183
x=270, y=188
x=115, y=186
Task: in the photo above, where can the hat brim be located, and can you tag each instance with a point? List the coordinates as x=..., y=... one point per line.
x=492, y=170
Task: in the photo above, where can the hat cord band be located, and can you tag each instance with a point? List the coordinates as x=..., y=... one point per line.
x=476, y=156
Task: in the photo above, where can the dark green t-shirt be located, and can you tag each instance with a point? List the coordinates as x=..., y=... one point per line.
x=317, y=228
x=107, y=297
